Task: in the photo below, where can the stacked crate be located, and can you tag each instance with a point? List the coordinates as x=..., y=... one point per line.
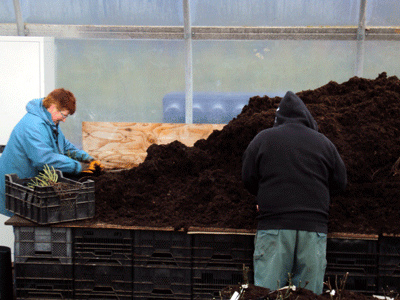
x=218, y=260
x=389, y=265
x=45, y=204
x=358, y=257
x=105, y=263
x=103, y=266
x=43, y=263
x=162, y=265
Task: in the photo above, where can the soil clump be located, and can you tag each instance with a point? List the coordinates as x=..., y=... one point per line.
x=200, y=186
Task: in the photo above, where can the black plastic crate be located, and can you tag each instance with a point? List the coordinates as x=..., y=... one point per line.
x=207, y=283
x=389, y=264
x=44, y=205
x=162, y=248
x=102, y=295
x=44, y=288
x=103, y=246
x=147, y=296
x=389, y=256
x=43, y=281
x=388, y=284
x=355, y=256
x=103, y=279
x=227, y=251
x=156, y=282
x=43, y=271
x=43, y=244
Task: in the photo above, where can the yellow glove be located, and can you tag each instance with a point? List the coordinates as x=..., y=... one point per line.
x=91, y=167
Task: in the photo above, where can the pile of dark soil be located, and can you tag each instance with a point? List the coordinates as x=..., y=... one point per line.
x=201, y=186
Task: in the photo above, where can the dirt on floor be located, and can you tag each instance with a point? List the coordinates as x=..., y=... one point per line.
x=201, y=186
x=253, y=292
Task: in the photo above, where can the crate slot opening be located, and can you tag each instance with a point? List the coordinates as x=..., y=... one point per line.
x=44, y=287
x=103, y=289
x=43, y=252
x=104, y=261
x=34, y=295
x=161, y=263
x=162, y=291
x=103, y=253
x=162, y=255
x=222, y=257
x=42, y=259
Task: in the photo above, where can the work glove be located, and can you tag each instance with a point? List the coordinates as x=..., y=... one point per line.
x=90, y=167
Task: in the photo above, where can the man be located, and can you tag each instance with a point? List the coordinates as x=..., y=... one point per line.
x=292, y=169
x=37, y=140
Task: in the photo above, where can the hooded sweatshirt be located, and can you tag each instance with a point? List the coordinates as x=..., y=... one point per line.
x=34, y=142
x=292, y=169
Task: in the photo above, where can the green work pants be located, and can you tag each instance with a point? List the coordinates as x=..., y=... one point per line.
x=280, y=254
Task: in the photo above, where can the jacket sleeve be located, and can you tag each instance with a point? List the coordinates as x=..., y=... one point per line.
x=69, y=147
x=338, y=181
x=39, y=146
x=250, y=175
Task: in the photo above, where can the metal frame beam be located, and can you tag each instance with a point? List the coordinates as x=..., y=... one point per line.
x=205, y=33
x=18, y=17
x=188, y=63
x=361, y=38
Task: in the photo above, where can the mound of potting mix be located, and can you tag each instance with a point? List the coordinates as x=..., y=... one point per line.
x=201, y=186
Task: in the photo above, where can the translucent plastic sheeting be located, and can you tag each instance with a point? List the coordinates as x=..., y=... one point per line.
x=103, y=12
x=274, y=12
x=204, y=12
x=271, y=67
x=383, y=13
x=381, y=56
x=7, y=13
x=118, y=80
x=170, y=12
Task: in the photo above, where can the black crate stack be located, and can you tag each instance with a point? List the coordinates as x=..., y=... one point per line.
x=103, y=267
x=389, y=265
x=43, y=263
x=127, y=264
x=359, y=258
x=218, y=261
x=162, y=265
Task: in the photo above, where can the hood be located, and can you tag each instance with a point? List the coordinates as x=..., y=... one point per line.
x=36, y=108
x=293, y=110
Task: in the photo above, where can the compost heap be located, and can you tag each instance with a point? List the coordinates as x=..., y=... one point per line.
x=201, y=186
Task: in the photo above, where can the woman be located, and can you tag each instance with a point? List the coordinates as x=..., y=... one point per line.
x=37, y=140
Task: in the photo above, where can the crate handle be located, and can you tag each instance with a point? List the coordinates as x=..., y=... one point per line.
x=43, y=252
x=103, y=289
x=104, y=261
x=162, y=255
x=103, y=253
x=222, y=257
x=162, y=292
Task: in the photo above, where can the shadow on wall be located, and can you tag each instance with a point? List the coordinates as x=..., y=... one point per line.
x=208, y=108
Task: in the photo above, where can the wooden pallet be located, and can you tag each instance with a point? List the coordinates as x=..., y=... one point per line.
x=123, y=145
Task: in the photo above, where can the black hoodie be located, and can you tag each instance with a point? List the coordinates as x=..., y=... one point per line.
x=293, y=169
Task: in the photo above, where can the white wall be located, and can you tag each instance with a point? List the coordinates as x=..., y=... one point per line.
x=27, y=72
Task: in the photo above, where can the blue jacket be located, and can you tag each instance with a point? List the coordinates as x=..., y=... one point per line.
x=34, y=142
